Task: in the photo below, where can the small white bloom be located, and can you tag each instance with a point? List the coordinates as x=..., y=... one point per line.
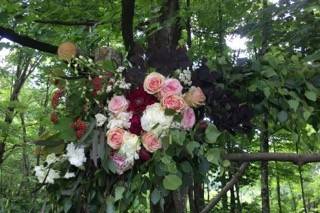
x=121, y=120
x=130, y=146
x=52, y=158
x=46, y=175
x=101, y=119
x=75, y=155
x=154, y=119
x=69, y=175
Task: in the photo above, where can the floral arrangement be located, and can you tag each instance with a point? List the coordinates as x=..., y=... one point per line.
x=105, y=127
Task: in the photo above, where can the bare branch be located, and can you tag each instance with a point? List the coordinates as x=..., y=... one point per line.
x=27, y=41
x=226, y=188
x=88, y=23
x=299, y=159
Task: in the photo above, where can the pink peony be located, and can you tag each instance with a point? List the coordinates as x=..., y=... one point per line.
x=153, y=83
x=188, y=118
x=171, y=87
x=120, y=163
x=174, y=102
x=151, y=142
x=195, y=97
x=115, y=138
x=118, y=104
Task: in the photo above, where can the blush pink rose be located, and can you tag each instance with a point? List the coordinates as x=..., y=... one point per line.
x=118, y=104
x=115, y=138
x=153, y=83
x=171, y=86
x=151, y=142
x=120, y=163
x=188, y=118
x=174, y=102
x=195, y=97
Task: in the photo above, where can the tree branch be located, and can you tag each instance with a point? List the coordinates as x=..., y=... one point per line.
x=88, y=23
x=299, y=159
x=27, y=41
x=226, y=188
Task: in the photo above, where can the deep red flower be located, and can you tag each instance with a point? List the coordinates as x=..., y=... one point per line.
x=54, y=118
x=80, y=127
x=144, y=155
x=96, y=84
x=56, y=98
x=135, y=126
x=139, y=100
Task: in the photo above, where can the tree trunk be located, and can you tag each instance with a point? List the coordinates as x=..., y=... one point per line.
x=264, y=147
x=239, y=206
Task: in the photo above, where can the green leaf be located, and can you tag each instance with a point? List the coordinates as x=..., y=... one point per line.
x=64, y=129
x=191, y=146
x=67, y=204
x=212, y=133
x=214, y=156
x=110, y=205
x=172, y=182
x=312, y=96
x=294, y=104
x=119, y=193
x=186, y=167
x=155, y=196
x=282, y=116
x=226, y=163
x=178, y=136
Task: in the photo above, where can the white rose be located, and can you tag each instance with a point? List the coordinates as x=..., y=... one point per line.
x=154, y=119
x=121, y=120
x=75, y=155
x=45, y=174
x=69, y=175
x=51, y=158
x=101, y=119
x=130, y=146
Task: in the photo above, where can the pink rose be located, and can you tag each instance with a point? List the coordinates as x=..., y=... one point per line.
x=188, y=118
x=173, y=102
x=115, y=138
x=118, y=104
x=195, y=97
x=153, y=83
x=171, y=87
x=121, y=163
x=151, y=142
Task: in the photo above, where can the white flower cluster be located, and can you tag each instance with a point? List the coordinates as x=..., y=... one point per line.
x=101, y=119
x=45, y=174
x=120, y=120
x=118, y=81
x=75, y=155
x=184, y=76
x=155, y=120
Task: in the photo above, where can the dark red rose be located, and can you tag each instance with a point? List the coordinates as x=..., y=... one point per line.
x=144, y=155
x=135, y=126
x=139, y=100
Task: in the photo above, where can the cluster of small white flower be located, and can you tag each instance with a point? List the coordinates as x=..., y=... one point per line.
x=46, y=174
x=184, y=76
x=118, y=81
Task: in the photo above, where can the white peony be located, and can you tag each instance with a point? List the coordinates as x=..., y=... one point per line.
x=101, y=119
x=75, y=155
x=121, y=120
x=130, y=146
x=155, y=120
x=46, y=175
